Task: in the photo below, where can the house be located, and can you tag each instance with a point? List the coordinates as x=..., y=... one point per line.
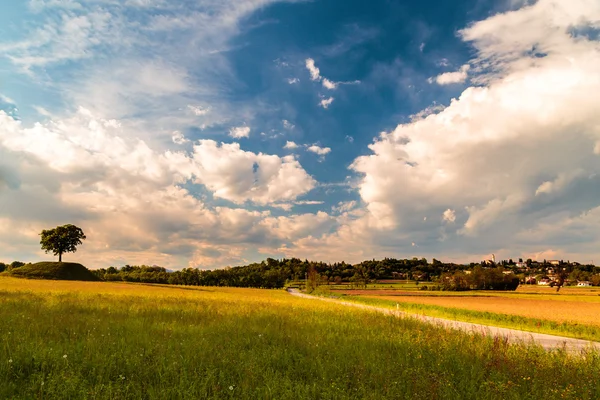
x=584, y=283
x=554, y=262
x=544, y=282
x=507, y=272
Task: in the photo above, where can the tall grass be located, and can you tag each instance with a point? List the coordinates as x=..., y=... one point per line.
x=117, y=341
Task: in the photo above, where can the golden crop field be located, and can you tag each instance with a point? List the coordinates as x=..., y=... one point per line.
x=561, y=309
x=572, y=312
x=101, y=340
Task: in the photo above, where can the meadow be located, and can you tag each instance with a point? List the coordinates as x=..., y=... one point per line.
x=572, y=312
x=101, y=340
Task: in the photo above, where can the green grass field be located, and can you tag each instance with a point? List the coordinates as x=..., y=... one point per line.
x=98, y=340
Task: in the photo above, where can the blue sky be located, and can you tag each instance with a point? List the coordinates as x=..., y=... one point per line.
x=214, y=133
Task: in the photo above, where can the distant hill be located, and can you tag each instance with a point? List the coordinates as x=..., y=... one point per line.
x=55, y=270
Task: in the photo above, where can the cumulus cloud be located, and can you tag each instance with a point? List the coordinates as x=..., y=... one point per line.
x=506, y=155
x=290, y=145
x=327, y=84
x=319, y=150
x=127, y=196
x=448, y=216
x=292, y=81
x=448, y=78
x=238, y=176
x=179, y=138
x=325, y=103
x=315, y=73
x=240, y=132
x=299, y=225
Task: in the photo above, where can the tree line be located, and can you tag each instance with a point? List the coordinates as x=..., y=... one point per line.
x=273, y=273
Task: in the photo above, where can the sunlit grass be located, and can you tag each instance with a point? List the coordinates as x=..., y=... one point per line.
x=110, y=341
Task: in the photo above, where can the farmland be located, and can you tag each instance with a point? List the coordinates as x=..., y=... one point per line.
x=571, y=312
x=115, y=340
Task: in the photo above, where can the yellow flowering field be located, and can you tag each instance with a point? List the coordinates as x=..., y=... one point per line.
x=100, y=340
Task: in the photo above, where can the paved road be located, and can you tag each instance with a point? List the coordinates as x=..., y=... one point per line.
x=549, y=342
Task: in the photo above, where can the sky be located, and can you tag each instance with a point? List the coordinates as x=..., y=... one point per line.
x=213, y=133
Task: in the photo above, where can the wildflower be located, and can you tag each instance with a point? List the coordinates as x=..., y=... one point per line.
x=65, y=356
x=10, y=361
x=230, y=387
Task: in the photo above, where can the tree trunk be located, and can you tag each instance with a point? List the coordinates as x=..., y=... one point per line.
x=60, y=257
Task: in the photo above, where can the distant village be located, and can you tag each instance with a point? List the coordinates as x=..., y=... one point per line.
x=549, y=272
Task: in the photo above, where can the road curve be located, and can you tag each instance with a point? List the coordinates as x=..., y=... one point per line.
x=548, y=342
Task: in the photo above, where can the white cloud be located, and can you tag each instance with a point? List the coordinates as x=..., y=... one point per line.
x=198, y=111
x=327, y=84
x=125, y=195
x=426, y=112
x=299, y=225
x=507, y=154
x=240, y=132
x=179, y=138
x=290, y=145
x=288, y=125
x=345, y=206
x=42, y=111
x=448, y=216
x=287, y=206
x=308, y=202
x=325, y=103
x=237, y=175
x=140, y=61
x=448, y=78
x=292, y=81
x=7, y=100
x=560, y=183
x=349, y=138
x=319, y=150
x=315, y=74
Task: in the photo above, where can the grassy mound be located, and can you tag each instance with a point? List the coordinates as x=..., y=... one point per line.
x=65, y=271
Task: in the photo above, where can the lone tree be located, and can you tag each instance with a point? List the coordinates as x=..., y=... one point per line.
x=62, y=239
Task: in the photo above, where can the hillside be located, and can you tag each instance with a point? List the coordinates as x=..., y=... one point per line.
x=55, y=270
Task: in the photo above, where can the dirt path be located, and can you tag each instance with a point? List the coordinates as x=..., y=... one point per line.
x=513, y=335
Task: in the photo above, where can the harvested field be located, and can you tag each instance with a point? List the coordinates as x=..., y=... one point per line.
x=558, y=309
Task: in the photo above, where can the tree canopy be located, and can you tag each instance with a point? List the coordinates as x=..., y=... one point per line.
x=62, y=239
